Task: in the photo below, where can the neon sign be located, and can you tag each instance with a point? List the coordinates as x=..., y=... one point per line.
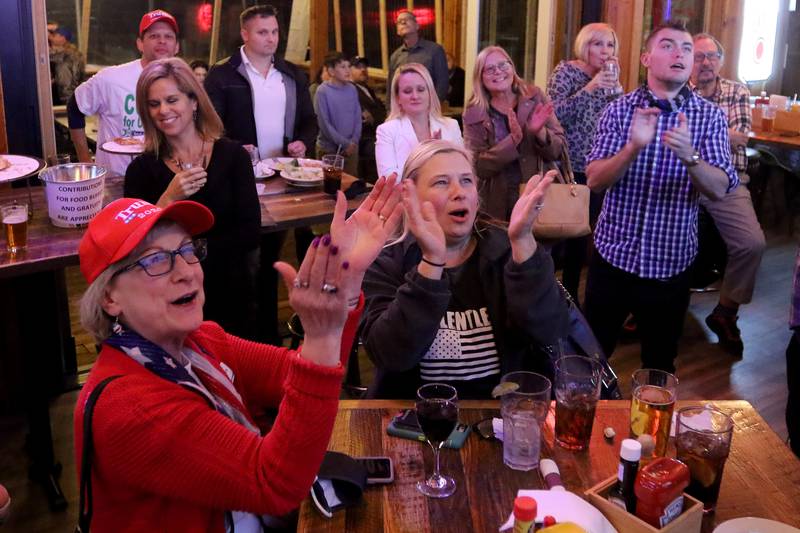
x=757, y=49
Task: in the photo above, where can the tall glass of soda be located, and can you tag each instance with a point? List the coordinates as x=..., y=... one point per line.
x=577, y=387
x=703, y=441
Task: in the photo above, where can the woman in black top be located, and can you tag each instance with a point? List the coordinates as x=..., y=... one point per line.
x=461, y=300
x=186, y=158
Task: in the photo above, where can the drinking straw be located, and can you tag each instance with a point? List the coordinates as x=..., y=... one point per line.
x=339, y=149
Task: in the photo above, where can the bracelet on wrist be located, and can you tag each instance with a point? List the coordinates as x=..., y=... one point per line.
x=431, y=263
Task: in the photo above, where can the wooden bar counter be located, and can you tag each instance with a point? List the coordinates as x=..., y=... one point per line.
x=51, y=248
x=761, y=477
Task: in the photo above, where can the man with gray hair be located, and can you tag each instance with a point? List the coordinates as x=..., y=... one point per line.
x=415, y=49
x=733, y=214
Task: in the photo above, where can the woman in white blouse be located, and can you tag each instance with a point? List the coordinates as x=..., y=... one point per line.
x=415, y=116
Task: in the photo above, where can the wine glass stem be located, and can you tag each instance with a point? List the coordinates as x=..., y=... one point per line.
x=436, y=460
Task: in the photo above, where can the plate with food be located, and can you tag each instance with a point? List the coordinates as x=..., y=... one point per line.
x=303, y=176
x=280, y=164
x=124, y=145
x=14, y=167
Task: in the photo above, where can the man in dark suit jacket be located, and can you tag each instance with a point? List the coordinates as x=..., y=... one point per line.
x=373, y=114
x=263, y=101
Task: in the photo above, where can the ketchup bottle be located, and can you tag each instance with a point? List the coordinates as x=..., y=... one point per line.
x=659, y=490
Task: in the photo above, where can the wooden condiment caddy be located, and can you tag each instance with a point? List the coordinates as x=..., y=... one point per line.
x=787, y=121
x=689, y=521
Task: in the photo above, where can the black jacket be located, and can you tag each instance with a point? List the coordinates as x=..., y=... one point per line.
x=403, y=309
x=229, y=88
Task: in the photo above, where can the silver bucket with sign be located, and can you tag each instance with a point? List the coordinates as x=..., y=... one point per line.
x=74, y=193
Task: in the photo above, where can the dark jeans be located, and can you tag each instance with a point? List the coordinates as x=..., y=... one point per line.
x=367, y=168
x=658, y=306
x=793, y=384
x=576, y=251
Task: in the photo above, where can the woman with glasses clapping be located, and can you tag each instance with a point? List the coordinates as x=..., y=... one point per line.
x=182, y=438
x=510, y=129
x=186, y=157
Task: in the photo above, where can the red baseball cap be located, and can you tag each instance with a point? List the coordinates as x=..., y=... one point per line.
x=119, y=228
x=155, y=16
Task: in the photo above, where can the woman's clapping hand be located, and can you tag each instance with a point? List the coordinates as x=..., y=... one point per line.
x=422, y=223
x=524, y=214
x=315, y=296
x=362, y=235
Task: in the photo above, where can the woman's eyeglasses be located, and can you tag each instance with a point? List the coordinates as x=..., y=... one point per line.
x=503, y=66
x=160, y=263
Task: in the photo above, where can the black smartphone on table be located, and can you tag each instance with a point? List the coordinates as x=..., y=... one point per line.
x=406, y=425
x=379, y=469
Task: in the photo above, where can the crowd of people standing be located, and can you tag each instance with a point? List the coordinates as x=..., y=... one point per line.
x=460, y=291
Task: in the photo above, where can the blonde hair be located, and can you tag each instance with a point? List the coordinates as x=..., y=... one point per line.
x=427, y=150
x=434, y=108
x=480, y=95
x=418, y=158
x=589, y=33
x=207, y=122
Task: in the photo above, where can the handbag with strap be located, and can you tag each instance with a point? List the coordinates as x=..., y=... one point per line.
x=580, y=340
x=565, y=211
x=85, y=509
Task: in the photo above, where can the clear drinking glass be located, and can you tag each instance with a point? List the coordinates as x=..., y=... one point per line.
x=578, y=381
x=332, y=168
x=652, y=404
x=524, y=410
x=254, y=157
x=703, y=441
x=437, y=413
x=612, y=68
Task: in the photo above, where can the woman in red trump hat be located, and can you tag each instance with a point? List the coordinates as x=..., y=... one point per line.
x=180, y=439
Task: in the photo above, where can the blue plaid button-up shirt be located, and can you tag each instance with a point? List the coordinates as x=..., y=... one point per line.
x=648, y=224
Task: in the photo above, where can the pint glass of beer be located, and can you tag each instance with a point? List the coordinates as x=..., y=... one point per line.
x=15, y=223
x=652, y=404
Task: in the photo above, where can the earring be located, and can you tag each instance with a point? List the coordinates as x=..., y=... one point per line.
x=194, y=115
x=117, y=327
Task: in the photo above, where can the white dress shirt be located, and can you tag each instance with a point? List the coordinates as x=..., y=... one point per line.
x=269, y=108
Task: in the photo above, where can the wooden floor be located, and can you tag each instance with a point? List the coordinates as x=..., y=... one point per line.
x=704, y=370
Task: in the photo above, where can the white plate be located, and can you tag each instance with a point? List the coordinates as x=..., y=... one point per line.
x=20, y=166
x=114, y=147
x=262, y=170
x=754, y=525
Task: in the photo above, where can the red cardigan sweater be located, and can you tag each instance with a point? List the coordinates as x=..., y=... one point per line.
x=165, y=461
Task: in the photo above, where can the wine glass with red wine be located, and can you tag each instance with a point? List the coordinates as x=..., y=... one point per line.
x=437, y=412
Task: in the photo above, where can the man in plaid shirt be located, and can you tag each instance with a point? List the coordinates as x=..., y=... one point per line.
x=656, y=150
x=733, y=214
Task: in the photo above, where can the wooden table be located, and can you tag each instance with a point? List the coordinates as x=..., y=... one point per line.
x=35, y=331
x=791, y=142
x=761, y=478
